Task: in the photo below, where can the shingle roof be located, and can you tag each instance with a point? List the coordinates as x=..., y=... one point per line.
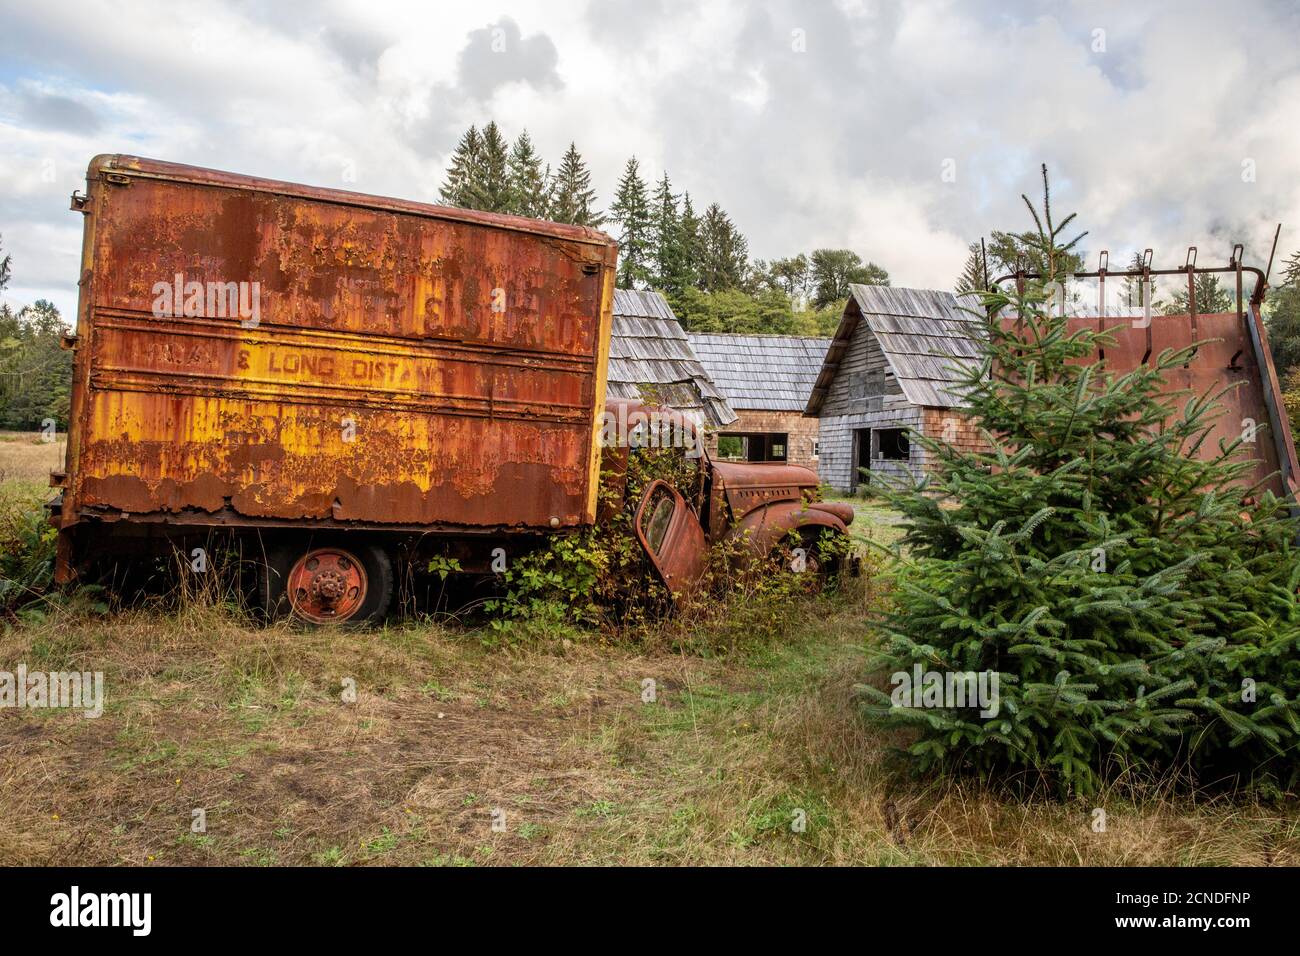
x=650, y=359
x=926, y=336
x=761, y=372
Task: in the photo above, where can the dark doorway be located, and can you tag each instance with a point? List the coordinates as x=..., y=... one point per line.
x=861, y=456
x=753, y=446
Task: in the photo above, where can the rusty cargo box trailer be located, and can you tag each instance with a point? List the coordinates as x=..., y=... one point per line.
x=258, y=354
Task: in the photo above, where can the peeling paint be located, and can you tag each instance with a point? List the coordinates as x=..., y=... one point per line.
x=379, y=384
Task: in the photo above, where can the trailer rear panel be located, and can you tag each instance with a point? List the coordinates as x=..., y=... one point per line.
x=347, y=358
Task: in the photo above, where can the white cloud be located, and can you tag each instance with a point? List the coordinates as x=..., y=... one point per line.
x=841, y=143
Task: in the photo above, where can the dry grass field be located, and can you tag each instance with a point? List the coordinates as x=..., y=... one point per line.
x=28, y=457
x=460, y=748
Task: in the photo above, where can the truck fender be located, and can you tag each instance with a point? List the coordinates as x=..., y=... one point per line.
x=762, y=529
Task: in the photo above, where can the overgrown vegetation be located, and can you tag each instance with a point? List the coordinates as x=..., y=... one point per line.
x=600, y=578
x=26, y=538
x=1136, y=602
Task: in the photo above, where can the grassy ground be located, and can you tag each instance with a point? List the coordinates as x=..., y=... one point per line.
x=450, y=731
x=874, y=522
x=556, y=740
x=30, y=458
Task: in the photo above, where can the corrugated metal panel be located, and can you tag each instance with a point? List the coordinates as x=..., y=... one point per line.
x=762, y=372
x=651, y=359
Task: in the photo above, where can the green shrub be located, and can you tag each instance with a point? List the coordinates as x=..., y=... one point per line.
x=599, y=575
x=26, y=558
x=1137, y=603
x=27, y=550
x=601, y=578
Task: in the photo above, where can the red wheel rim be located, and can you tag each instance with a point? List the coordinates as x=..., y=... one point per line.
x=327, y=585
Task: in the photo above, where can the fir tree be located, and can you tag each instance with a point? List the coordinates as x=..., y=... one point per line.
x=972, y=278
x=572, y=198
x=1136, y=600
x=529, y=187
x=631, y=211
x=723, y=252
x=1211, y=296
x=1043, y=250
x=488, y=185
x=669, y=248
x=688, y=237
x=462, y=170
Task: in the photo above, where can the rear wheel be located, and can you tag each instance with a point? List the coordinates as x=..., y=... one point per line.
x=327, y=581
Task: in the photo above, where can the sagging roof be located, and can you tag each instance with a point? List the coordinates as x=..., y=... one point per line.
x=651, y=360
x=773, y=373
x=924, y=334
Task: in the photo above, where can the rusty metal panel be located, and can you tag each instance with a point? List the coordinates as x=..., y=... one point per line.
x=1225, y=359
x=402, y=363
x=752, y=485
x=672, y=537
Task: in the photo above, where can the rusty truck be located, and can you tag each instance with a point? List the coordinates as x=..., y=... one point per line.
x=341, y=381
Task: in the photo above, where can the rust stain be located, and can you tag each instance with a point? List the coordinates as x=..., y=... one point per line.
x=1224, y=359
x=406, y=364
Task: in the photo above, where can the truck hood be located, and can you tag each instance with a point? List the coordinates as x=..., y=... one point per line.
x=749, y=485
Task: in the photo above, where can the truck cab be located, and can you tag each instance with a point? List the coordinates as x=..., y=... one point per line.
x=756, y=505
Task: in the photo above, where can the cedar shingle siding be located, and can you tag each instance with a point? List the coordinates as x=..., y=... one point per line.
x=766, y=379
x=651, y=360
x=894, y=363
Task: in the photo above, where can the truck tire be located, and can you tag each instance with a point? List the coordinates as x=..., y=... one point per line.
x=331, y=580
x=811, y=562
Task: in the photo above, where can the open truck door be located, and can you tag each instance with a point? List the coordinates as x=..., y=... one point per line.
x=672, y=537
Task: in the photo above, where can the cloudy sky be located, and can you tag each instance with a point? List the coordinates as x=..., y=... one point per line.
x=900, y=130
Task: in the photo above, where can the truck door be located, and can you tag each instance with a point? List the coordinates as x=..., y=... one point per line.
x=672, y=537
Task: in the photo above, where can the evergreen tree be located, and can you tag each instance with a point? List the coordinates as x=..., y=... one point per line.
x=972, y=278
x=669, y=267
x=688, y=237
x=572, y=198
x=1134, y=296
x=489, y=186
x=1136, y=600
x=1284, y=319
x=631, y=211
x=35, y=371
x=529, y=187
x=462, y=170
x=1043, y=249
x=1211, y=296
x=723, y=252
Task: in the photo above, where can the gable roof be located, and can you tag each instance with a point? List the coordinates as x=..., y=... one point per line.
x=924, y=334
x=650, y=360
x=761, y=372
